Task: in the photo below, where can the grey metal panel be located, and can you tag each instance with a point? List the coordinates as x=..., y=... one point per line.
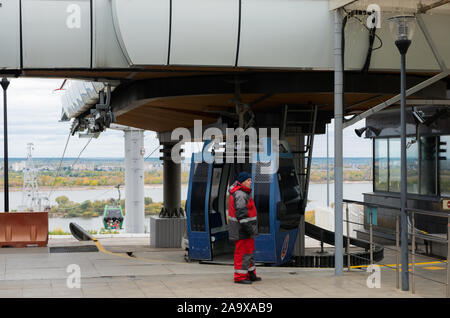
x=286, y=33
x=56, y=33
x=420, y=56
x=10, y=34
x=166, y=232
x=204, y=32
x=439, y=28
x=106, y=52
x=142, y=28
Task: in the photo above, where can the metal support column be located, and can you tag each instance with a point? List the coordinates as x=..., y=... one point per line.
x=447, y=289
x=397, y=247
x=328, y=170
x=338, y=136
x=134, y=181
x=171, y=184
x=413, y=254
x=347, y=248
x=5, y=84
x=403, y=176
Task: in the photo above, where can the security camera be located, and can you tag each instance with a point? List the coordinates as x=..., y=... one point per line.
x=418, y=117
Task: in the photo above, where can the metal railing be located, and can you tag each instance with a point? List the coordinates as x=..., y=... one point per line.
x=413, y=234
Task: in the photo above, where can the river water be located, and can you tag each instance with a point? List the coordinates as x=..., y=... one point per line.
x=317, y=197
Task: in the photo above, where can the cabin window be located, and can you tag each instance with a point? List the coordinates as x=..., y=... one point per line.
x=261, y=190
x=198, y=194
x=215, y=217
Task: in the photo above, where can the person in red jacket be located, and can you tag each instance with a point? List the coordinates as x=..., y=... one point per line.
x=242, y=228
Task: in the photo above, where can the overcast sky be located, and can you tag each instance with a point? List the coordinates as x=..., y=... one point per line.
x=34, y=111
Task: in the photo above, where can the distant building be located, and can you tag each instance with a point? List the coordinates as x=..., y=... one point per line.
x=18, y=166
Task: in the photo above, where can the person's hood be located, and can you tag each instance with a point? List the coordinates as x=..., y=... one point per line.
x=237, y=186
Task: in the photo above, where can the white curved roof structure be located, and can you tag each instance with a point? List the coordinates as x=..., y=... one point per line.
x=129, y=41
x=147, y=34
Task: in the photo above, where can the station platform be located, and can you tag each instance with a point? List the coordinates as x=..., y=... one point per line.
x=164, y=273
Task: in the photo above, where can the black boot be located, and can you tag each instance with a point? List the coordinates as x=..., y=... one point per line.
x=245, y=281
x=253, y=277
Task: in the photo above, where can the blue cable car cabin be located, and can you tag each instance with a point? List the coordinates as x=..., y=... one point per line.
x=278, y=201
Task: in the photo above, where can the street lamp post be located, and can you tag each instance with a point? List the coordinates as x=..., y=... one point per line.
x=5, y=84
x=402, y=29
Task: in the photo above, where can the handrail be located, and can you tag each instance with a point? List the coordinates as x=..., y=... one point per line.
x=413, y=234
x=370, y=204
x=419, y=211
x=432, y=213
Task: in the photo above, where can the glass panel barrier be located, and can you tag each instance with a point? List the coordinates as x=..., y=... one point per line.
x=381, y=165
x=394, y=164
x=412, y=155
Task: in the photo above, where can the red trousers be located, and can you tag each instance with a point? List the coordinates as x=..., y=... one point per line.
x=244, y=259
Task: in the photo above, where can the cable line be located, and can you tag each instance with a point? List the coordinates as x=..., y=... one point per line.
x=152, y=152
x=59, y=167
x=71, y=167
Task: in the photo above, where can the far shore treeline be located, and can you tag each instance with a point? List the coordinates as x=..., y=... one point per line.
x=85, y=178
x=88, y=178
x=66, y=208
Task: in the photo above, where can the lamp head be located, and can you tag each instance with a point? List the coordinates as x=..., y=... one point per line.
x=4, y=83
x=402, y=30
x=402, y=27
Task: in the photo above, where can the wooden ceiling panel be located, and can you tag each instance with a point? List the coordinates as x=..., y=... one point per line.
x=165, y=114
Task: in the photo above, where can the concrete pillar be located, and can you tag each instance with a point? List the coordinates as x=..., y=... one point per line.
x=134, y=181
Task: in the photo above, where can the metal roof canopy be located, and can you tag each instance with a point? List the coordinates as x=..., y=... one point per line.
x=416, y=7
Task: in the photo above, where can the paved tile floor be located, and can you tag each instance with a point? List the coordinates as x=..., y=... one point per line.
x=34, y=272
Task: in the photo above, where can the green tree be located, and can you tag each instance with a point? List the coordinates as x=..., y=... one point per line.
x=86, y=205
x=61, y=200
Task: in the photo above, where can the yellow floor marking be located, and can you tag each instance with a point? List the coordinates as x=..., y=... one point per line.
x=392, y=266
x=103, y=250
x=434, y=268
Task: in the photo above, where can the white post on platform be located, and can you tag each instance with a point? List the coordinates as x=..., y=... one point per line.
x=134, y=180
x=338, y=137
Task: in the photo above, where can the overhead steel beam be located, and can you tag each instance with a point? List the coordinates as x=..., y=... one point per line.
x=428, y=102
x=423, y=9
x=397, y=98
